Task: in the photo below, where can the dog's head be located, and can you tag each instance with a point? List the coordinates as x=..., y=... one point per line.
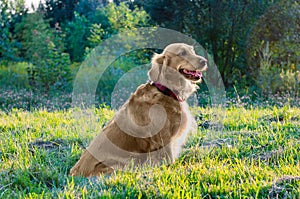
x=183, y=59
x=178, y=67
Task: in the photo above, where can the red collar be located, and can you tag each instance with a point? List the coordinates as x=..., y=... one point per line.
x=165, y=90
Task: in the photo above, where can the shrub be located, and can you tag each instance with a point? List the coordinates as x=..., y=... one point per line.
x=273, y=78
x=279, y=26
x=14, y=75
x=43, y=47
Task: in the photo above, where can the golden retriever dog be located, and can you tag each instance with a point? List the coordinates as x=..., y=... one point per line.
x=153, y=124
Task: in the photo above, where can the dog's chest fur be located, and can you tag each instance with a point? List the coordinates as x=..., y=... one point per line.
x=149, y=121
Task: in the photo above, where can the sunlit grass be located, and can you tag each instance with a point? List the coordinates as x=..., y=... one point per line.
x=242, y=153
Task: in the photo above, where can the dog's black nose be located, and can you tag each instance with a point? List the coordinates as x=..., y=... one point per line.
x=203, y=62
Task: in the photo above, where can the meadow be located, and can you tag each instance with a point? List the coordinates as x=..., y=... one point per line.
x=251, y=152
x=249, y=148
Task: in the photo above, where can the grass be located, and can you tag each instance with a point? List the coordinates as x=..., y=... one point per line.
x=249, y=153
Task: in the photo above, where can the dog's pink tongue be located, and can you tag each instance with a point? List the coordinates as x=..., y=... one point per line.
x=198, y=74
x=194, y=73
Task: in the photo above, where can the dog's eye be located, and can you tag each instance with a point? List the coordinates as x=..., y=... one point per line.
x=183, y=53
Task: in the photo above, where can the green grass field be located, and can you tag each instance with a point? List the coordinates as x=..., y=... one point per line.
x=255, y=155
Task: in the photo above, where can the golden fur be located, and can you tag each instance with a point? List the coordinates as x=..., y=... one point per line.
x=150, y=126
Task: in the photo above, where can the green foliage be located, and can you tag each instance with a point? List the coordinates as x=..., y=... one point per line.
x=10, y=13
x=255, y=156
x=121, y=18
x=43, y=47
x=231, y=31
x=14, y=75
x=290, y=81
x=90, y=27
x=220, y=26
x=283, y=38
x=272, y=79
x=59, y=12
x=89, y=7
x=111, y=76
x=96, y=35
x=76, y=37
x=8, y=46
x=279, y=70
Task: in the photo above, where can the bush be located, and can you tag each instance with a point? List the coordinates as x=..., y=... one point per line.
x=273, y=78
x=44, y=48
x=279, y=27
x=14, y=75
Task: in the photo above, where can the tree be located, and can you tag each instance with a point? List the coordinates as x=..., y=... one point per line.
x=59, y=11
x=10, y=13
x=220, y=26
x=120, y=18
x=88, y=7
x=283, y=38
x=44, y=48
x=277, y=32
x=77, y=32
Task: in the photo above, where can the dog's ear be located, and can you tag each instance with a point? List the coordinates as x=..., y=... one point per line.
x=154, y=72
x=158, y=60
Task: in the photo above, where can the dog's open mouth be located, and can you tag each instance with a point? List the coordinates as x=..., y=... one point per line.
x=191, y=74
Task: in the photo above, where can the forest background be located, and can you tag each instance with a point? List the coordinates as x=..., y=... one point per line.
x=255, y=45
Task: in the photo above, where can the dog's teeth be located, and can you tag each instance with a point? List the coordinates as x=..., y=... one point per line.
x=192, y=74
